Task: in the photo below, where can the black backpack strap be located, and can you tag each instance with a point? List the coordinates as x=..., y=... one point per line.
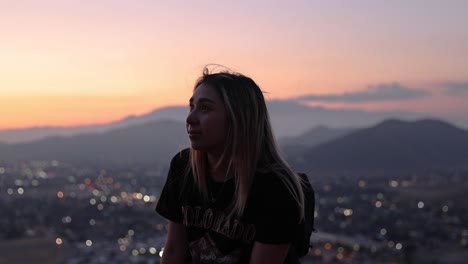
x=302, y=247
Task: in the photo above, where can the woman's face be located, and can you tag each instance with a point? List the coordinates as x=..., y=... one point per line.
x=206, y=121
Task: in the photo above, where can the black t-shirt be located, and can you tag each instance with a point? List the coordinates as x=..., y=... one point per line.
x=270, y=216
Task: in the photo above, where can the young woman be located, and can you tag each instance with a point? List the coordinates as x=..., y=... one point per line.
x=230, y=198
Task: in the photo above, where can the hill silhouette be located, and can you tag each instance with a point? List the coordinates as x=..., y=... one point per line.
x=281, y=113
x=315, y=136
x=149, y=142
x=392, y=145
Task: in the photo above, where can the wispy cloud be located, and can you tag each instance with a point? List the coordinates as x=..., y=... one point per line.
x=373, y=93
x=455, y=88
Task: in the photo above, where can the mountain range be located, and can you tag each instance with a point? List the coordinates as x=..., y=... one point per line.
x=391, y=145
x=288, y=117
x=142, y=143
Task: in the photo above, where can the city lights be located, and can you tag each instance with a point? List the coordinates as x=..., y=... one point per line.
x=383, y=231
x=339, y=256
x=356, y=247
x=42, y=174
x=420, y=205
x=348, y=212
x=113, y=199
x=361, y=184
x=152, y=250
x=445, y=208
x=398, y=246
x=393, y=183
x=368, y=229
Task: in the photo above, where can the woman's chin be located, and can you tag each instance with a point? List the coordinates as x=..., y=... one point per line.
x=196, y=147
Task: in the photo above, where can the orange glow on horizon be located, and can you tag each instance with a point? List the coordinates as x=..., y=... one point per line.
x=38, y=111
x=66, y=63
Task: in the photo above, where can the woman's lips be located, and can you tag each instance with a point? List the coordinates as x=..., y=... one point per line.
x=194, y=134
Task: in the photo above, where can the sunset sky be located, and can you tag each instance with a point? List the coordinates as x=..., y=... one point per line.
x=65, y=63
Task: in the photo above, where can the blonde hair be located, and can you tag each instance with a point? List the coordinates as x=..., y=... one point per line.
x=250, y=144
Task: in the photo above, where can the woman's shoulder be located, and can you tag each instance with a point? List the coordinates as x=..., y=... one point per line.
x=274, y=175
x=179, y=165
x=272, y=192
x=182, y=154
x=271, y=182
x=267, y=176
x=181, y=158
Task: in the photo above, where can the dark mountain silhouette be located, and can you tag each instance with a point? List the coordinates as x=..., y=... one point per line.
x=392, y=145
x=176, y=113
x=23, y=135
x=288, y=117
x=315, y=136
x=149, y=142
x=295, y=146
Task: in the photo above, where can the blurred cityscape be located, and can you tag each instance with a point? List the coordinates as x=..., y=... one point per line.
x=56, y=212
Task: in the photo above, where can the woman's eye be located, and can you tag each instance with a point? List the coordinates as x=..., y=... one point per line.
x=199, y=107
x=203, y=108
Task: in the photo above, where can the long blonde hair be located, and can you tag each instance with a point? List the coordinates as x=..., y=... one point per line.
x=250, y=144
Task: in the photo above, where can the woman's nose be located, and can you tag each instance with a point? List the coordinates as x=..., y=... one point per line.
x=191, y=118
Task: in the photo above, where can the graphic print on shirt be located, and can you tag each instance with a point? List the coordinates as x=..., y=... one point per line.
x=205, y=249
